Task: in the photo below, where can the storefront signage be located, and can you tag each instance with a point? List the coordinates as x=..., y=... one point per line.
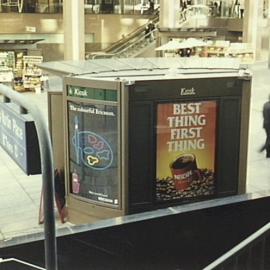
x=93, y=152
x=92, y=93
x=19, y=139
x=186, y=142
x=187, y=92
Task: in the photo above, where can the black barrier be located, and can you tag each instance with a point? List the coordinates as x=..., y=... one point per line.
x=46, y=168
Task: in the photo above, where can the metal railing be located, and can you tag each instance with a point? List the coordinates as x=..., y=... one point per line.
x=130, y=40
x=137, y=38
x=192, y=11
x=250, y=254
x=13, y=263
x=127, y=49
x=142, y=41
x=130, y=37
x=46, y=157
x=13, y=3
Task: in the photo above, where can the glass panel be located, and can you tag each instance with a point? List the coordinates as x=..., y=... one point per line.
x=93, y=145
x=32, y=6
x=186, y=146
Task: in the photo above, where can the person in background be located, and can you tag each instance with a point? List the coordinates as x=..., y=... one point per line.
x=266, y=126
x=241, y=8
x=237, y=8
x=188, y=52
x=181, y=52
x=215, y=9
x=147, y=33
x=183, y=7
x=151, y=6
x=151, y=27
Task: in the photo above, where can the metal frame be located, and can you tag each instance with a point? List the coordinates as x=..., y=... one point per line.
x=47, y=170
x=21, y=262
x=78, y=201
x=243, y=150
x=260, y=237
x=10, y=3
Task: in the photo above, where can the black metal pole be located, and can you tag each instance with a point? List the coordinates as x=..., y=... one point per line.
x=47, y=173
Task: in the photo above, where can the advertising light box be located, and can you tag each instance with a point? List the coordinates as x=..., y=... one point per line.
x=186, y=149
x=93, y=151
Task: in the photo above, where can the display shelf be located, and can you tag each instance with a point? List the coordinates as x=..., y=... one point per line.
x=31, y=73
x=7, y=63
x=243, y=51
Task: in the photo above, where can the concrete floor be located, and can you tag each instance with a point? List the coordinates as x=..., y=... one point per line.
x=20, y=194
x=258, y=166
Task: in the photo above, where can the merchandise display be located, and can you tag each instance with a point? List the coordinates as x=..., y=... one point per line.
x=31, y=73
x=198, y=47
x=243, y=51
x=18, y=71
x=7, y=63
x=21, y=71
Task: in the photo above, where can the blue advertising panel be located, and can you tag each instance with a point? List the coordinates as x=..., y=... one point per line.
x=19, y=139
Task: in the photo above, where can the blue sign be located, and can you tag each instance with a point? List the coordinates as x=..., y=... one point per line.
x=19, y=139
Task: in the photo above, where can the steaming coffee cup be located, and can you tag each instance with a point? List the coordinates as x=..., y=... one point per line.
x=184, y=171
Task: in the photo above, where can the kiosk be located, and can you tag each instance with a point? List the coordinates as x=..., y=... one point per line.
x=144, y=134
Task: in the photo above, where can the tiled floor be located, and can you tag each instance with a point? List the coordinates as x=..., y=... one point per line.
x=20, y=194
x=258, y=166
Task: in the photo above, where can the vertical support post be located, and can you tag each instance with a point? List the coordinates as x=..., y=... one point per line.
x=74, y=30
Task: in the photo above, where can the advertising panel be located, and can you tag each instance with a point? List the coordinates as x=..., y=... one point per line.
x=186, y=147
x=93, y=144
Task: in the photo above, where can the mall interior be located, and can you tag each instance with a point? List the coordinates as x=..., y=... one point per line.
x=133, y=135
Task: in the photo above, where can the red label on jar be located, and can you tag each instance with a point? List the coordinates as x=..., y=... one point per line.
x=184, y=171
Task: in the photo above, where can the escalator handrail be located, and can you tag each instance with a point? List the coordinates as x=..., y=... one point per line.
x=134, y=41
x=130, y=36
x=125, y=47
x=142, y=38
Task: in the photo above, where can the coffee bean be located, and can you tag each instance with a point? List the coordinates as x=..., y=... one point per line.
x=165, y=188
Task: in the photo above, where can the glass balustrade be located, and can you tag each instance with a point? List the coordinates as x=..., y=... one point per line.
x=221, y=8
x=142, y=7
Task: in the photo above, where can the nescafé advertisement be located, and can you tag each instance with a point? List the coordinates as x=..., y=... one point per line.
x=186, y=144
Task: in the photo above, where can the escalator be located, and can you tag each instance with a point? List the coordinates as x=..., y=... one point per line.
x=131, y=45
x=195, y=20
x=140, y=42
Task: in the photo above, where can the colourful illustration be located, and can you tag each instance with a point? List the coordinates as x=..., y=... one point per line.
x=91, y=149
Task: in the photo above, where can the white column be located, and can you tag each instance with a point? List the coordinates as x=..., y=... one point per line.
x=251, y=24
x=74, y=29
x=169, y=13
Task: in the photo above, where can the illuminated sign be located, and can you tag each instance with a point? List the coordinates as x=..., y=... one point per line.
x=93, y=148
x=186, y=147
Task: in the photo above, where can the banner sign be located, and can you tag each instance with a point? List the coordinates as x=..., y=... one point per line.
x=18, y=138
